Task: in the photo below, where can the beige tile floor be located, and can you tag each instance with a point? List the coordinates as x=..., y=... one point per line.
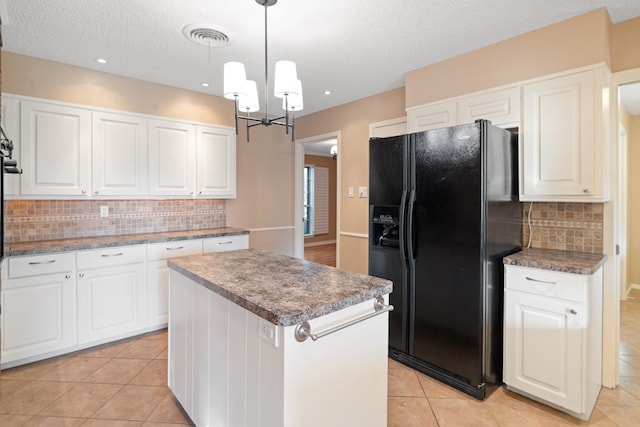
x=124, y=385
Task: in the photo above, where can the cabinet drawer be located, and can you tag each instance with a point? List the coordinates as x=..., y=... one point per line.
x=226, y=243
x=546, y=282
x=108, y=257
x=40, y=264
x=164, y=250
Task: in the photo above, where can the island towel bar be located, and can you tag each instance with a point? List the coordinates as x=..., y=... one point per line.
x=303, y=330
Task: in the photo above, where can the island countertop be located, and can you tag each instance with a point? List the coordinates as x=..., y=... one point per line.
x=282, y=290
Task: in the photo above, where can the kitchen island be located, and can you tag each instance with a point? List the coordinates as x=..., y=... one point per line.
x=261, y=339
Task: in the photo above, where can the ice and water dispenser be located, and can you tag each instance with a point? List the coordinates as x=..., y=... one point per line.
x=385, y=225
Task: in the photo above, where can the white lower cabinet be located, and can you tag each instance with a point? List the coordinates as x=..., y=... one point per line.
x=225, y=243
x=38, y=306
x=158, y=276
x=111, y=293
x=553, y=337
x=56, y=303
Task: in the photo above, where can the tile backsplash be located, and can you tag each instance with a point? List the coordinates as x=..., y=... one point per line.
x=565, y=226
x=29, y=220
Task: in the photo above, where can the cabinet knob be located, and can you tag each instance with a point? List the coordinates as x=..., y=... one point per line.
x=96, y=192
x=586, y=190
x=84, y=191
x=67, y=276
x=81, y=275
x=572, y=311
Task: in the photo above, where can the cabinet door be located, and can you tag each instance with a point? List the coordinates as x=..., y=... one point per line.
x=10, y=119
x=171, y=158
x=56, y=149
x=119, y=154
x=544, y=348
x=216, y=162
x=111, y=302
x=432, y=116
x=37, y=315
x=158, y=276
x=501, y=107
x=558, y=150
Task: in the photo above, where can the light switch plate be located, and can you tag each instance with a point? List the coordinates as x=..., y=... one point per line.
x=104, y=211
x=362, y=191
x=350, y=191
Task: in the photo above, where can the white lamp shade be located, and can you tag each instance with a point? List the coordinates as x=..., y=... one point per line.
x=249, y=103
x=285, y=79
x=234, y=80
x=294, y=102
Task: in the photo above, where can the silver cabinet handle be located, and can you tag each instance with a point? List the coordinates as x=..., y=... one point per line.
x=110, y=255
x=96, y=192
x=572, y=311
x=81, y=275
x=176, y=248
x=84, y=191
x=228, y=242
x=303, y=330
x=51, y=261
x=67, y=276
x=585, y=190
x=541, y=281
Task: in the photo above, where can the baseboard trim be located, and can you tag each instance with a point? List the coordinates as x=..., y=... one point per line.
x=319, y=243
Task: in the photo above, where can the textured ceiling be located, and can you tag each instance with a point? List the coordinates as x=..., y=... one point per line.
x=355, y=48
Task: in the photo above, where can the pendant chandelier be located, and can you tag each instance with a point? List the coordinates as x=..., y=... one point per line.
x=245, y=93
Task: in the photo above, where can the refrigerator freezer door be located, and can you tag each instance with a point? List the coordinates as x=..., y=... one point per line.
x=387, y=181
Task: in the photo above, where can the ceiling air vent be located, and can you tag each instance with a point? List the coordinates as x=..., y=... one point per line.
x=206, y=35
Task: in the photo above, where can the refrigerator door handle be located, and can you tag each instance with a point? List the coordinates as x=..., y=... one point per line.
x=410, y=233
x=403, y=220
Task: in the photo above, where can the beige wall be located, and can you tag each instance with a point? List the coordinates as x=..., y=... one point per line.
x=570, y=44
x=265, y=189
x=24, y=75
x=633, y=207
x=625, y=53
x=332, y=166
x=352, y=120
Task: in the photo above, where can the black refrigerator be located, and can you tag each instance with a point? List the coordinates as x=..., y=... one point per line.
x=443, y=213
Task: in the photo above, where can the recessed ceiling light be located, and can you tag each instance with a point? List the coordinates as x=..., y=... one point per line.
x=205, y=84
x=327, y=92
x=101, y=60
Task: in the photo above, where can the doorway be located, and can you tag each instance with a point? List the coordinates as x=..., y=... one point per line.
x=317, y=179
x=616, y=231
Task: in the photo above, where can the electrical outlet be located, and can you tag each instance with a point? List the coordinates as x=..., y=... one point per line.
x=104, y=211
x=350, y=191
x=268, y=332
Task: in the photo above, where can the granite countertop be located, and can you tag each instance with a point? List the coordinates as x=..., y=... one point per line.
x=283, y=290
x=62, y=245
x=557, y=260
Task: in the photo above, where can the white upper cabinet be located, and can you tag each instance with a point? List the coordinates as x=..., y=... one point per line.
x=171, y=158
x=119, y=155
x=56, y=149
x=500, y=106
x=432, y=116
x=216, y=161
x=10, y=118
x=68, y=151
x=564, y=144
